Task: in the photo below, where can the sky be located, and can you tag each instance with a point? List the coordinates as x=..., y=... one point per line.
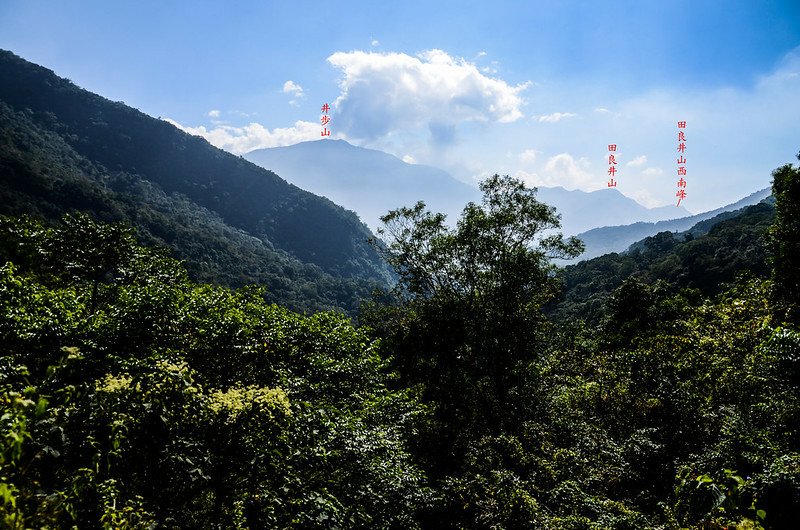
x=538, y=90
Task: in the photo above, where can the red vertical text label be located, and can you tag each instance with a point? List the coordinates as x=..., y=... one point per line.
x=325, y=120
x=612, y=165
x=681, y=193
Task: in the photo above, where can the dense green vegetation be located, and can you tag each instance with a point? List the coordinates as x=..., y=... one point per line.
x=131, y=396
x=785, y=241
x=64, y=150
x=707, y=258
x=609, y=239
x=135, y=398
x=662, y=390
x=678, y=409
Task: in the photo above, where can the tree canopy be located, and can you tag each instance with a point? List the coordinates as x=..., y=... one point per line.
x=785, y=234
x=132, y=397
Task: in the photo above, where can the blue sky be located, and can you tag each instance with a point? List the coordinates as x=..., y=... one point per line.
x=533, y=89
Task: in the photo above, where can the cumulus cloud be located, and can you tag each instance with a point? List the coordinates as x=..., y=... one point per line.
x=644, y=197
x=638, y=161
x=295, y=90
x=408, y=159
x=528, y=155
x=385, y=92
x=375, y=42
x=653, y=172
x=290, y=87
x=214, y=113
x=555, y=117
x=564, y=170
x=240, y=140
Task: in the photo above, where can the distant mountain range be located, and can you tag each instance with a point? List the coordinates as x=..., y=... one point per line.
x=371, y=183
x=64, y=149
x=367, y=181
x=707, y=258
x=582, y=210
x=608, y=239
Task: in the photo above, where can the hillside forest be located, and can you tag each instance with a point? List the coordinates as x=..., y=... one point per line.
x=449, y=376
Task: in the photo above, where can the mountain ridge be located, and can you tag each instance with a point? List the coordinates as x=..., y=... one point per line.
x=64, y=149
x=607, y=239
x=339, y=170
x=121, y=138
x=372, y=182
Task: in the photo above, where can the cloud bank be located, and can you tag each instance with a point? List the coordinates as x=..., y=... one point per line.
x=386, y=92
x=240, y=140
x=555, y=117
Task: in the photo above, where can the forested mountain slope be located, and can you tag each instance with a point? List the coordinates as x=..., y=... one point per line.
x=131, y=397
x=607, y=239
x=372, y=182
x=64, y=149
x=735, y=243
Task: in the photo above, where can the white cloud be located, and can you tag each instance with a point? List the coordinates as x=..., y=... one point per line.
x=564, y=170
x=240, y=140
x=602, y=110
x=408, y=159
x=555, y=117
x=531, y=180
x=638, y=161
x=528, y=155
x=214, y=113
x=375, y=42
x=290, y=87
x=296, y=91
x=481, y=54
x=386, y=92
x=644, y=197
x=653, y=171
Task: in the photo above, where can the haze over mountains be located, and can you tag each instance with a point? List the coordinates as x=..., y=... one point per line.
x=367, y=181
x=607, y=239
x=63, y=149
x=372, y=182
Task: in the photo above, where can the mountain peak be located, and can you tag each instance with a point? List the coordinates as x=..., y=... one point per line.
x=371, y=182
x=617, y=238
x=142, y=151
x=367, y=181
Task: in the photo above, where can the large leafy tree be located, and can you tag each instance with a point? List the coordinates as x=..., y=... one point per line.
x=470, y=299
x=785, y=234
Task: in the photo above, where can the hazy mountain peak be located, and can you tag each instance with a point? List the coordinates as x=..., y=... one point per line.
x=371, y=182
x=367, y=181
x=111, y=159
x=617, y=238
